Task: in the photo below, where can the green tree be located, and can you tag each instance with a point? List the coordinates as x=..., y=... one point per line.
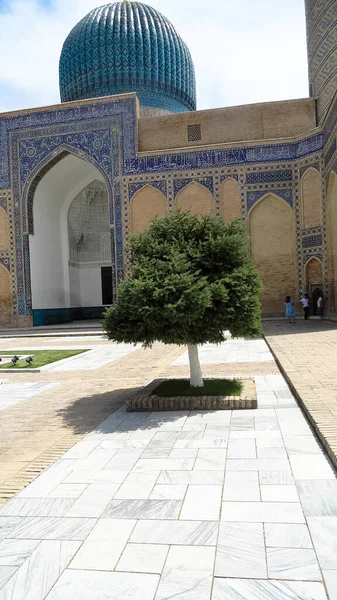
x=192, y=280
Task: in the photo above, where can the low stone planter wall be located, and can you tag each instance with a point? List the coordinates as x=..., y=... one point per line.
x=145, y=400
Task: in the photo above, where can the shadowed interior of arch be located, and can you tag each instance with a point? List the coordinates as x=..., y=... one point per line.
x=70, y=250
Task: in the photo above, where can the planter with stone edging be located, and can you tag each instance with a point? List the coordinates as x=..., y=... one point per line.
x=147, y=400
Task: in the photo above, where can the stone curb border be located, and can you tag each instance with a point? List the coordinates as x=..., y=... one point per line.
x=146, y=401
x=316, y=426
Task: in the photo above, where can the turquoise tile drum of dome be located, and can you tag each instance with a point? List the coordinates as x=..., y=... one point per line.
x=128, y=47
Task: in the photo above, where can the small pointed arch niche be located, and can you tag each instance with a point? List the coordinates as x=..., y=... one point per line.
x=4, y=231
x=230, y=200
x=145, y=204
x=272, y=234
x=5, y=288
x=311, y=198
x=195, y=198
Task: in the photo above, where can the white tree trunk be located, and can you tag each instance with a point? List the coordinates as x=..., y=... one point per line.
x=195, y=370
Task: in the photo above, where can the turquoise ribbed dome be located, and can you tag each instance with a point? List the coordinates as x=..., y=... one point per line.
x=128, y=47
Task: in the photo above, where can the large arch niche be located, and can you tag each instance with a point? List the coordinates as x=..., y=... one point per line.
x=66, y=270
x=273, y=248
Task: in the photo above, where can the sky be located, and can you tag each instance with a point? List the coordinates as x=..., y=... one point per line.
x=244, y=51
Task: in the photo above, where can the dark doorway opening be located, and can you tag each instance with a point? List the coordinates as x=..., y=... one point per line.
x=316, y=291
x=106, y=276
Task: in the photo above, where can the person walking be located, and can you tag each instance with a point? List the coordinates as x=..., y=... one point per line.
x=305, y=303
x=320, y=307
x=290, y=311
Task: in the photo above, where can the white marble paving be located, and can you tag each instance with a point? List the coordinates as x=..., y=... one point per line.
x=94, y=585
x=202, y=503
x=255, y=589
x=46, y=563
x=239, y=351
x=95, y=359
x=283, y=535
x=13, y=393
x=143, y=558
x=188, y=573
x=330, y=578
x=148, y=504
x=293, y=563
x=241, y=551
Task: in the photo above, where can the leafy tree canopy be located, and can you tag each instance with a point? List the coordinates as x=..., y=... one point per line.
x=192, y=280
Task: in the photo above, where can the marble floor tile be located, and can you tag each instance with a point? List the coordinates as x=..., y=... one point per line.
x=181, y=533
x=125, y=444
x=212, y=433
x=36, y=507
x=211, y=443
x=255, y=589
x=210, y=460
x=324, y=536
x=276, y=478
x=82, y=449
x=94, y=476
x=37, y=575
x=257, y=435
x=143, y=558
x=240, y=551
x=123, y=460
x=6, y=573
x=93, y=501
x=330, y=578
x=183, y=453
x=319, y=498
x=163, y=464
x=187, y=573
x=168, y=492
x=281, y=535
x=104, y=546
x=68, y=490
x=142, y=509
x=245, y=491
x=137, y=486
x=262, y=512
x=257, y=464
x=242, y=448
x=293, y=563
x=158, y=452
x=7, y=525
x=271, y=448
x=202, y=503
x=301, y=444
x=14, y=552
x=279, y=493
x=95, y=585
x=52, y=528
x=191, y=477
x=311, y=466
x=242, y=477
x=49, y=480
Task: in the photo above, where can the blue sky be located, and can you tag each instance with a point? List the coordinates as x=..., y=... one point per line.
x=244, y=51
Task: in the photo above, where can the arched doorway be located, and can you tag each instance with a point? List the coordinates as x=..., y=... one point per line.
x=71, y=258
x=331, y=231
x=314, y=282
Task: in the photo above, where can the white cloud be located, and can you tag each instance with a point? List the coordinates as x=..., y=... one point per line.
x=244, y=50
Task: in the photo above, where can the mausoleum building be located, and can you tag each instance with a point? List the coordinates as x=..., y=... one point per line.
x=127, y=143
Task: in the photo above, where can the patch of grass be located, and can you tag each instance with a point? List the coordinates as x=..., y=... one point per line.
x=172, y=388
x=40, y=357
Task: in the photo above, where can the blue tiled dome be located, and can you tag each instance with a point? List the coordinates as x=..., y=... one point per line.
x=128, y=47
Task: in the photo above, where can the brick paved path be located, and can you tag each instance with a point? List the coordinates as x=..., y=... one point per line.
x=308, y=354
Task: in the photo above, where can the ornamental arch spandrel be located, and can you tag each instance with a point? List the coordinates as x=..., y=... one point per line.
x=272, y=234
